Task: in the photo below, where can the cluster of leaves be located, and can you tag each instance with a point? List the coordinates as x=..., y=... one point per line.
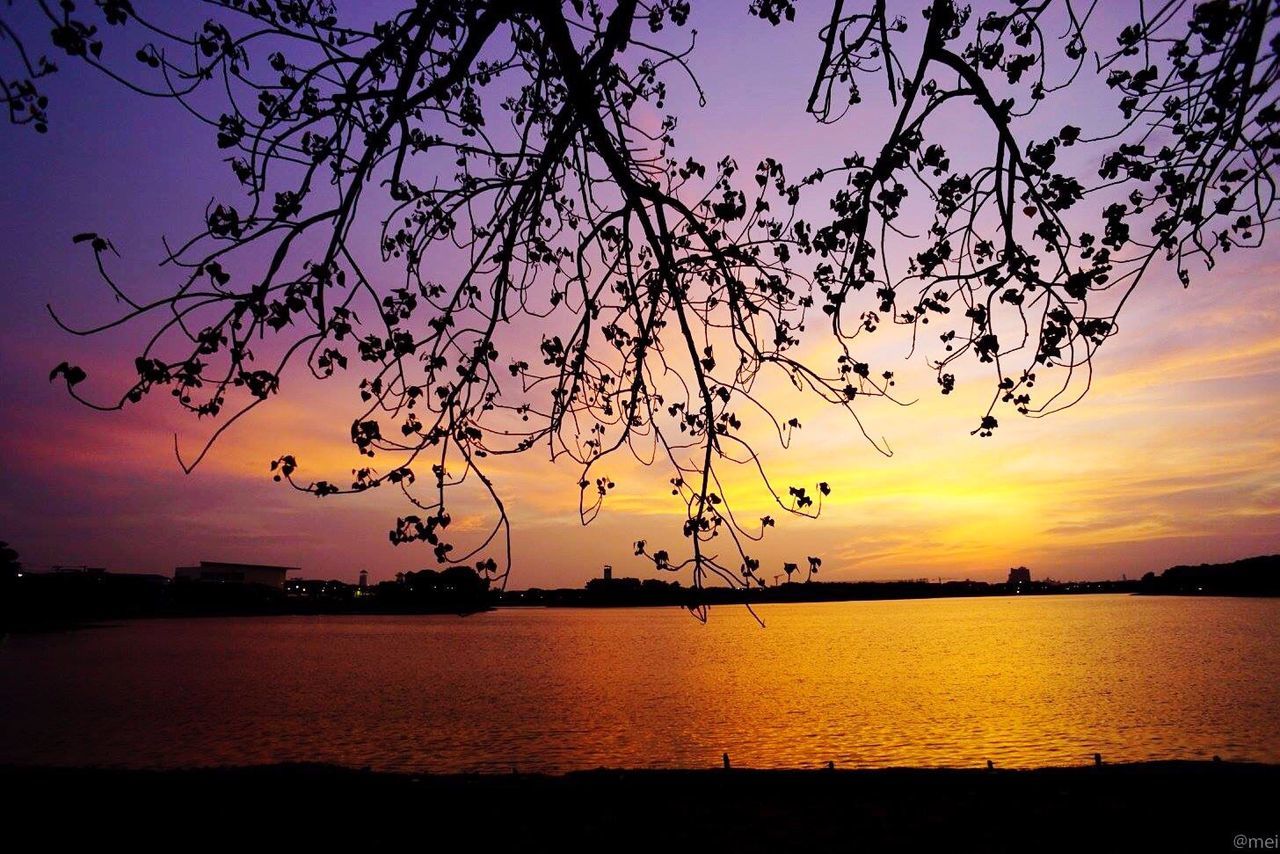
x=513, y=145
x=1026, y=264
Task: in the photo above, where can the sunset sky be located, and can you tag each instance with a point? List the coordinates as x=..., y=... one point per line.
x=1174, y=456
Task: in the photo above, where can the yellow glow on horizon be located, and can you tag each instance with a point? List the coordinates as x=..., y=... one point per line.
x=1174, y=449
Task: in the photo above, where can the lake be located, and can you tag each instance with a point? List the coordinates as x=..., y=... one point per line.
x=1023, y=681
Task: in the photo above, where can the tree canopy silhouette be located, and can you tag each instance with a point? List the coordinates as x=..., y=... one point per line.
x=506, y=153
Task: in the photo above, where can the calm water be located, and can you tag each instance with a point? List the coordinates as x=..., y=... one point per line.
x=1023, y=681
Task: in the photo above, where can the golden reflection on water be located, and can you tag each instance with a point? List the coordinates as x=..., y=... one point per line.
x=1021, y=681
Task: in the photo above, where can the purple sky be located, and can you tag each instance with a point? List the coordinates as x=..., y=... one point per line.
x=1173, y=457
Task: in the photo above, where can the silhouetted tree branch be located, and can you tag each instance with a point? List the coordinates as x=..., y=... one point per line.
x=504, y=149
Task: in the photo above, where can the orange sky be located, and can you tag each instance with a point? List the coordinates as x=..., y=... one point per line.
x=1173, y=457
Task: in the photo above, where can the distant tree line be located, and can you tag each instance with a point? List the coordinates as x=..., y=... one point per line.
x=632, y=592
x=38, y=601
x=1254, y=576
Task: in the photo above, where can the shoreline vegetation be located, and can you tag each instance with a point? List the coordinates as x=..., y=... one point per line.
x=53, y=601
x=1185, y=805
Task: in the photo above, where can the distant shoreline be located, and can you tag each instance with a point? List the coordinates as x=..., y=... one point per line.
x=871, y=591
x=43, y=602
x=905, y=598
x=107, y=621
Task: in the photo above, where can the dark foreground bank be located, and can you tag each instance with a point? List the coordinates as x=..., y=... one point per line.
x=1173, y=806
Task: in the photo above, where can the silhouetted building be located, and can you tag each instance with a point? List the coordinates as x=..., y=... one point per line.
x=364, y=581
x=1019, y=575
x=608, y=572
x=314, y=588
x=235, y=573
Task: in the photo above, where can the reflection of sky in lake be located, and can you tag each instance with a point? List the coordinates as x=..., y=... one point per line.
x=1032, y=681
